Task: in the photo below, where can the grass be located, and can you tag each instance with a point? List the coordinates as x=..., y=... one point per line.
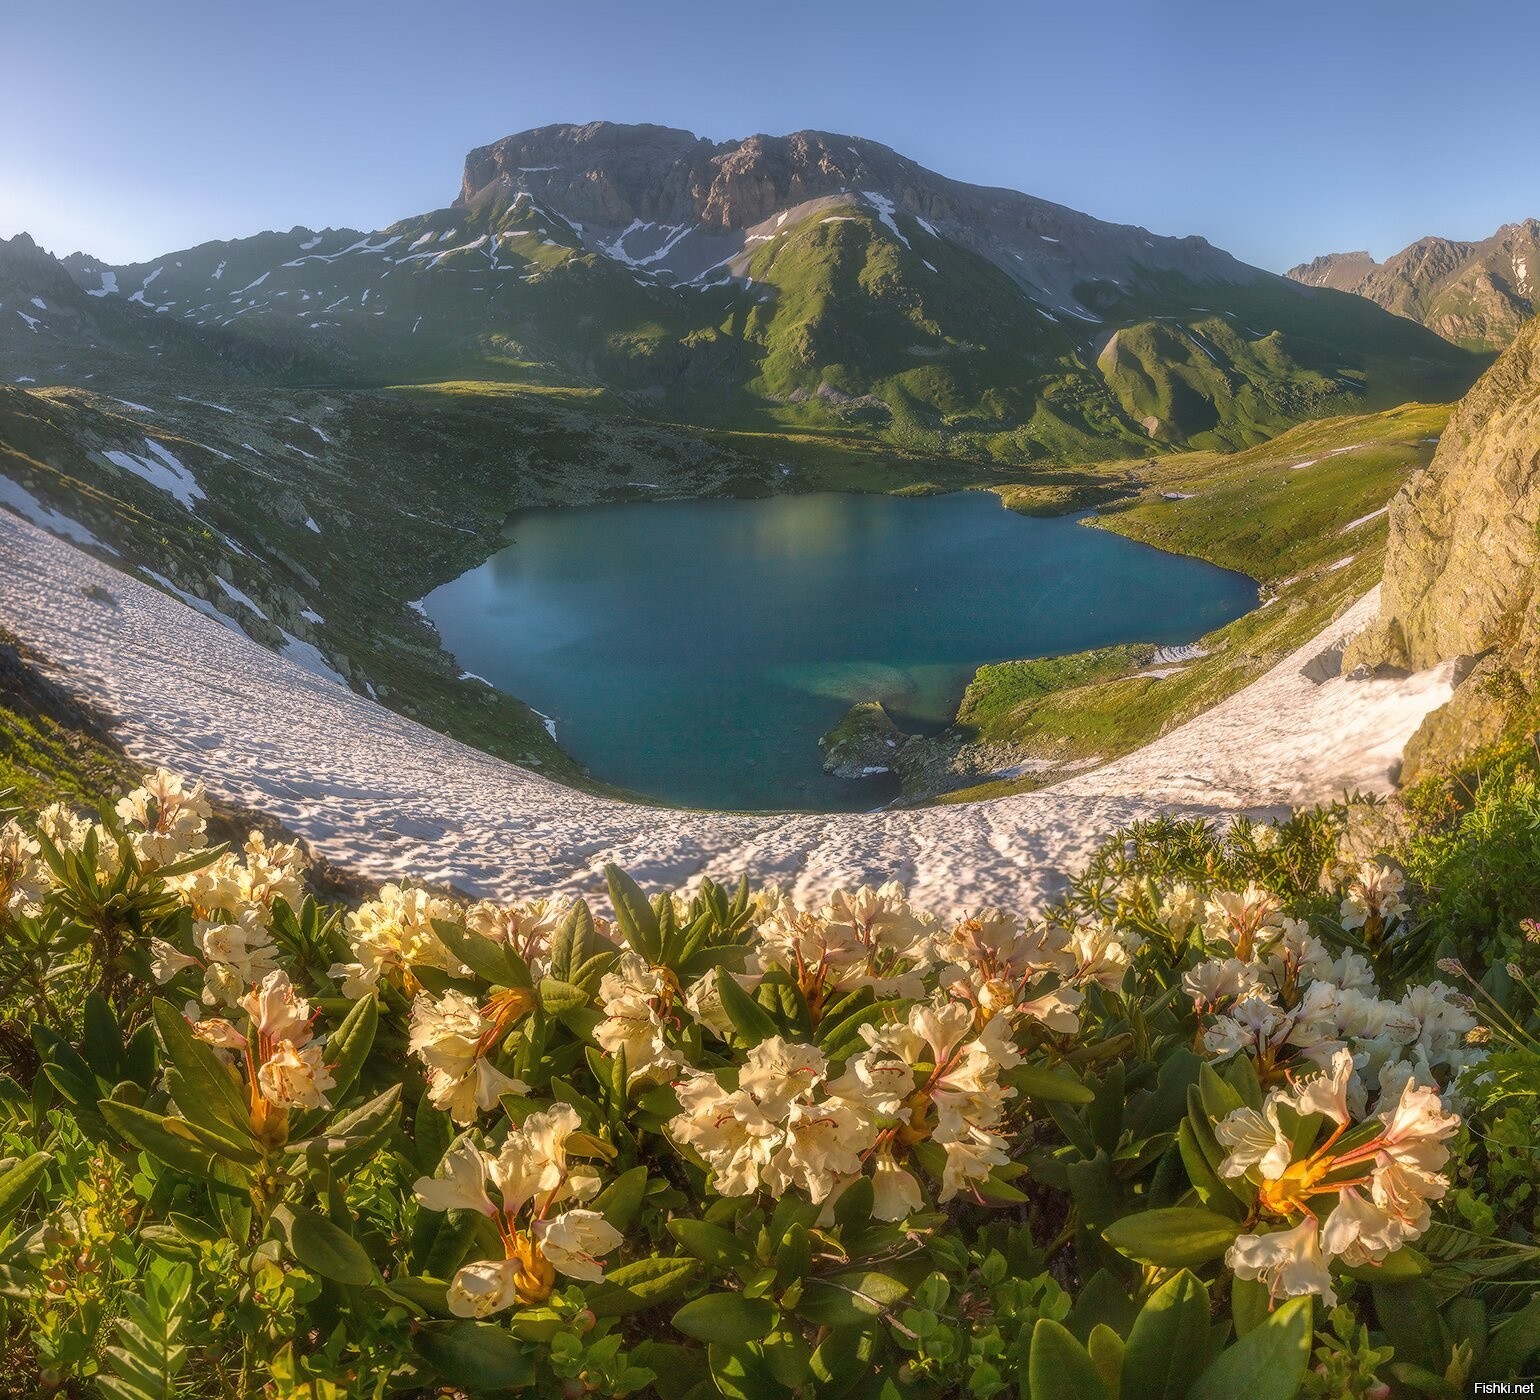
x=1249, y=511
x=52, y=747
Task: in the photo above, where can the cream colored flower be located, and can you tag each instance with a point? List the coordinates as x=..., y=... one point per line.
x=895, y=1190
x=1374, y=892
x=295, y=1077
x=1363, y=1232
x=779, y=1074
x=218, y=1032
x=1328, y=1093
x=166, y=960
x=635, y=997
x=461, y=1181
x=277, y=1011
x=23, y=876
x=728, y=1129
x=574, y=1241
x=1255, y=1140
x=1289, y=1262
x=171, y=818
x=822, y=1142
x=1100, y=956
x=485, y=1287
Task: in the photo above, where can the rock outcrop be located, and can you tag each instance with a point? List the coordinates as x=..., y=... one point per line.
x=1474, y=294
x=612, y=176
x=1462, y=571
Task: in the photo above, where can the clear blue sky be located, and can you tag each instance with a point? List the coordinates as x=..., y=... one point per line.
x=1276, y=130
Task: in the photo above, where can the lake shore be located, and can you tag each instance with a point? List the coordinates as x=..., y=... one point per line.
x=379, y=794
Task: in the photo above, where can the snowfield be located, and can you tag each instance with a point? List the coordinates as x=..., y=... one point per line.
x=388, y=798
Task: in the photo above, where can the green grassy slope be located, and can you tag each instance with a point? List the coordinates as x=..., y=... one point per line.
x=1294, y=529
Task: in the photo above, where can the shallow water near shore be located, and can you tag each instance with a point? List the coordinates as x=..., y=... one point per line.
x=694, y=651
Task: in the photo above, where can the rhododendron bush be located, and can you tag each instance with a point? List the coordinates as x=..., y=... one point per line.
x=1212, y=1126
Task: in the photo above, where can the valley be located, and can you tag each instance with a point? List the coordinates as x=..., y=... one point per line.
x=304, y=434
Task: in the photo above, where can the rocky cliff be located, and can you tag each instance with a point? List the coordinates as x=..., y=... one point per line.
x=1473, y=294
x=1462, y=573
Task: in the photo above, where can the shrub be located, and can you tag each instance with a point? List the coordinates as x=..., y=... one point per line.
x=1194, y=1132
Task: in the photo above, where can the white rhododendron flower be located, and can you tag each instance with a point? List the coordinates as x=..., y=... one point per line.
x=455, y=1039
x=165, y=819
x=574, y=1241
x=1290, y=1262
x=531, y=1174
x=394, y=933
x=1398, y=1154
x=639, y=1012
x=295, y=1077
x=1374, y=897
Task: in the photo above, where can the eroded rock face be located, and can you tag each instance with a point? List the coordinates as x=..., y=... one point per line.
x=1462, y=570
x=1474, y=294
x=608, y=175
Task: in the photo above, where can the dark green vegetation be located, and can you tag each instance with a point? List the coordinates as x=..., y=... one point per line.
x=168, y=1229
x=52, y=748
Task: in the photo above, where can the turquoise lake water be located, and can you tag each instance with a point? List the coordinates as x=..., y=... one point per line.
x=694, y=651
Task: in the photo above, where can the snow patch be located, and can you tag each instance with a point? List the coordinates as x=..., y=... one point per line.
x=885, y=209
x=26, y=505
x=162, y=470
x=231, y=591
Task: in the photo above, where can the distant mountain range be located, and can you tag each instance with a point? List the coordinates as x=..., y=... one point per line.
x=806, y=282
x=1476, y=295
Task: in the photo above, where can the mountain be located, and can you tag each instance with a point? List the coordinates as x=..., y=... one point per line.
x=810, y=282
x=1473, y=294
x=1462, y=564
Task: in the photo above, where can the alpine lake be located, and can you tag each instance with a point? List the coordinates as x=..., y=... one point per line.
x=694, y=651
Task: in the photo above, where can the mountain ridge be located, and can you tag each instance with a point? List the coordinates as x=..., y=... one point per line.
x=1474, y=293
x=810, y=281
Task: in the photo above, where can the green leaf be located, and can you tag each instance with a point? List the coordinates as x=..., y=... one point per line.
x=848, y=1299
x=578, y=953
x=634, y=915
x=1038, y=1082
x=325, y=1248
x=1174, y=1238
x=1058, y=1367
x=557, y=997
x=103, y=1040
x=726, y=1317
x=167, y=1139
x=432, y=1133
x=486, y=957
x=18, y=1183
x=1409, y=1313
x=750, y=1020
x=1169, y=1341
x=1268, y=1363
x=1250, y=1304
x=1510, y=1345
x=711, y=1243
x=212, y=1093
x=1401, y=1266
x=479, y=1356
x=642, y=1284
x=149, y=1351
x=348, y=1046
x=1107, y=1350
x=1209, y=1185
x=619, y=1202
